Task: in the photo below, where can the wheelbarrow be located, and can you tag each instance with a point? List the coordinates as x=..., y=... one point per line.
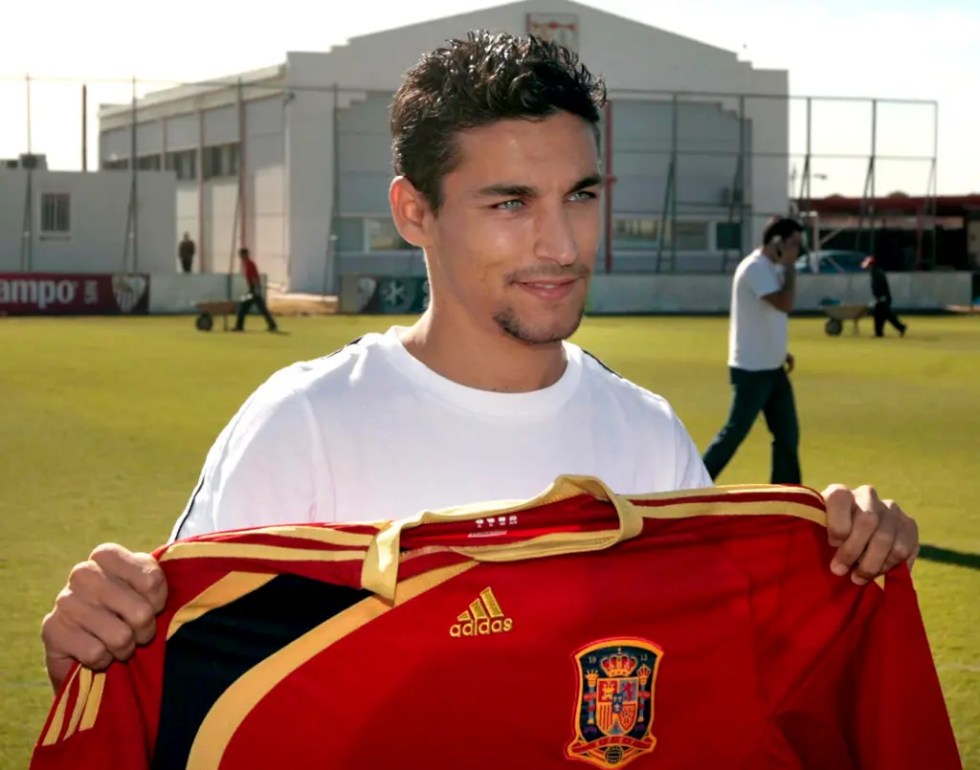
x=837, y=314
x=208, y=310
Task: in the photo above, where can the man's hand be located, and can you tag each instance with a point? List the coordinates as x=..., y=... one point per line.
x=871, y=535
x=107, y=608
x=790, y=363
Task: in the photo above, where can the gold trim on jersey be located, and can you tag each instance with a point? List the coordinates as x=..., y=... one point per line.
x=381, y=553
x=235, y=704
x=93, y=703
x=232, y=586
x=734, y=507
x=58, y=720
x=88, y=686
x=206, y=549
x=84, y=687
x=380, y=570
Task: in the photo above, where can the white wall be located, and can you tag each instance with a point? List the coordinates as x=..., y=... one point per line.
x=265, y=153
x=179, y=293
x=99, y=204
x=310, y=130
x=712, y=293
x=183, y=132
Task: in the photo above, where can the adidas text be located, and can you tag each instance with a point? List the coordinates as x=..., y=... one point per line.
x=481, y=628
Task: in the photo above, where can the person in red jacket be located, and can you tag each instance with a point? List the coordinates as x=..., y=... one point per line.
x=254, y=296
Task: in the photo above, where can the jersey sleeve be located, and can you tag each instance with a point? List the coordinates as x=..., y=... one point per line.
x=96, y=720
x=900, y=720
x=760, y=279
x=268, y=466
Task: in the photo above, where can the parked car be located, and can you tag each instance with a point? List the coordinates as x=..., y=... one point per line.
x=831, y=261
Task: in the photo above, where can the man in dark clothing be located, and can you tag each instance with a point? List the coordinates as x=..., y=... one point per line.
x=186, y=252
x=254, y=296
x=883, y=299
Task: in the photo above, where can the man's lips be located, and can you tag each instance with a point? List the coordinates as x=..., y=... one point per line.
x=548, y=288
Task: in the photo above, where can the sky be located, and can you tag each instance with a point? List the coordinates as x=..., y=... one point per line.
x=909, y=49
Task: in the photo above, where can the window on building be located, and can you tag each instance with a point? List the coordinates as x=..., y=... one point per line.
x=221, y=160
x=231, y=157
x=212, y=162
x=350, y=234
x=116, y=164
x=638, y=232
x=183, y=163
x=381, y=235
x=691, y=236
x=55, y=214
x=728, y=235
x=148, y=163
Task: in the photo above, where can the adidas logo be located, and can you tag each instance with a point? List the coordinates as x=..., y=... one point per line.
x=482, y=618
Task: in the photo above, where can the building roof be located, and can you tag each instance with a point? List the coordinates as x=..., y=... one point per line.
x=896, y=204
x=270, y=78
x=541, y=6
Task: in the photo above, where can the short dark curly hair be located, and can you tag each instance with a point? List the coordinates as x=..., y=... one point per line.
x=475, y=82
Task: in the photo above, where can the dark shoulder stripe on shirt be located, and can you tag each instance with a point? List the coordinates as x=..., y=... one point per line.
x=601, y=363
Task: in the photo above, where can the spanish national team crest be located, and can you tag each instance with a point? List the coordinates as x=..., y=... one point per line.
x=614, y=710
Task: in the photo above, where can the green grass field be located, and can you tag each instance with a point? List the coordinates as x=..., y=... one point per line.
x=104, y=425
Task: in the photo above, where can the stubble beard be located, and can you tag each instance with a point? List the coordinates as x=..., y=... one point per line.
x=510, y=323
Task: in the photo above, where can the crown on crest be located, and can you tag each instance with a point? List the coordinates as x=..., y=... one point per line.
x=618, y=665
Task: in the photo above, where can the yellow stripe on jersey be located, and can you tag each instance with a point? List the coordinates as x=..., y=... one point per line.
x=235, y=704
x=317, y=535
x=232, y=586
x=732, y=506
x=205, y=549
x=84, y=686
x=93, y=703
x=58, y=720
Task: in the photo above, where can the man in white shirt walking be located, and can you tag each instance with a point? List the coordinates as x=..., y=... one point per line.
x=759, y=362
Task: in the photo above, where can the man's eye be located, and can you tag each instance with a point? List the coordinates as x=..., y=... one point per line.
x=583, y=195
x=509, y=205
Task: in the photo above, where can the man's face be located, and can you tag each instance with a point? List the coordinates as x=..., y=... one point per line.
x=514, y=243
x=791, y=246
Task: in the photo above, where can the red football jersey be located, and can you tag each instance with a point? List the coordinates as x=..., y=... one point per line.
x=690, y=630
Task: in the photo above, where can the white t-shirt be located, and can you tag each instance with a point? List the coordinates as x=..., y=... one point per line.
x=371, y=433
x=757, y=334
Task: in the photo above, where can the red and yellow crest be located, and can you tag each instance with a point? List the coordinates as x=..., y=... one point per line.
x=614, y=710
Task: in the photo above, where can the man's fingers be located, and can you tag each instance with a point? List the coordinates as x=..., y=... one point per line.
x=840, y=513
x=93, y=589
x=876, y=555
x=865, y=517
x=67, y=643
x=139, y=570
x=906, y=546
x=113, y=633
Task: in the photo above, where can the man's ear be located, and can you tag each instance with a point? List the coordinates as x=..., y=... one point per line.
x=410, y=211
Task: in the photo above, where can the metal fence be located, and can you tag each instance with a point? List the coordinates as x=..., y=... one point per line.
x=693, y=176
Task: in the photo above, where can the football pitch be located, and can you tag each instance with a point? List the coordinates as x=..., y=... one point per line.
x=105, y=422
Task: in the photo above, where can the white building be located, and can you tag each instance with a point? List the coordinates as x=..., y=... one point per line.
x=76, y=222
x=294, y=160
